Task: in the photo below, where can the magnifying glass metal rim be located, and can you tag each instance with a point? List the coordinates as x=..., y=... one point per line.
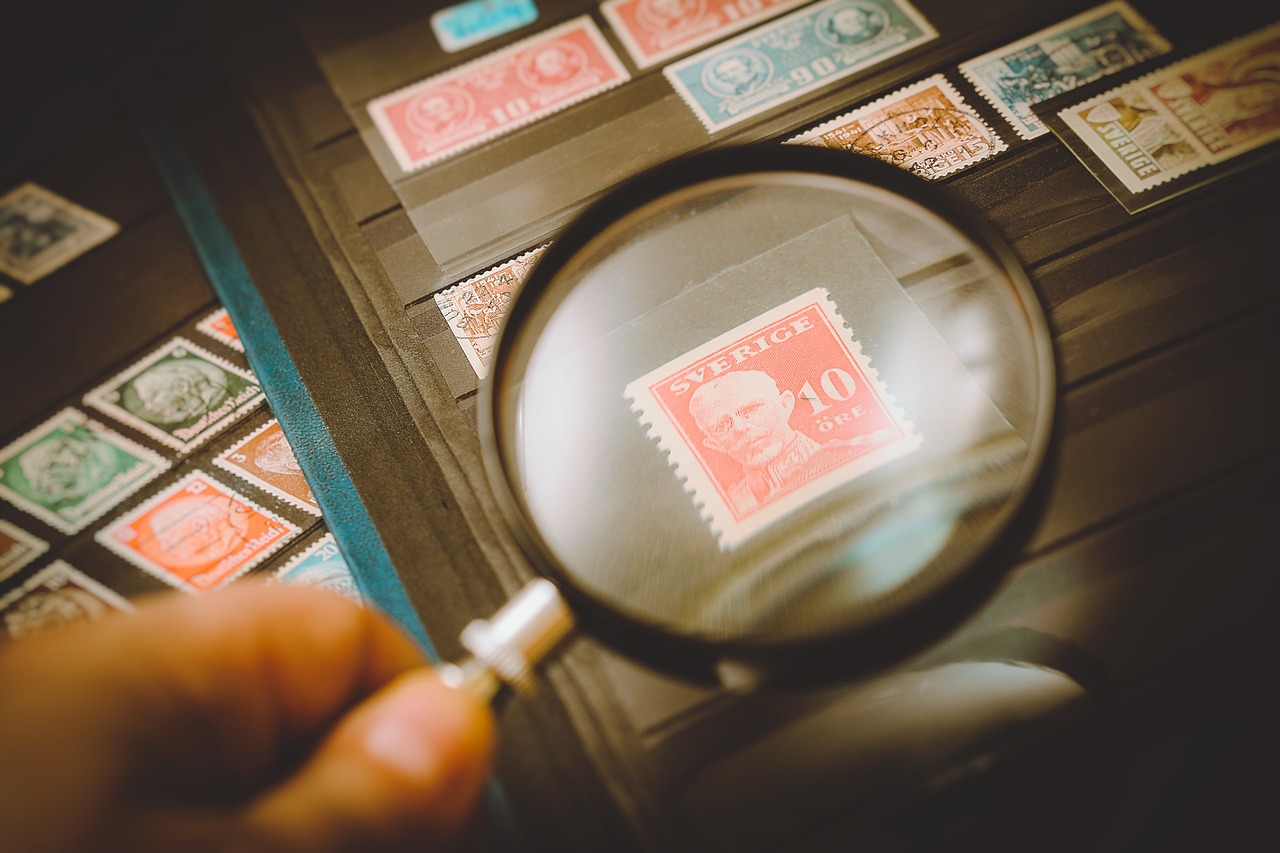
x=821, y=658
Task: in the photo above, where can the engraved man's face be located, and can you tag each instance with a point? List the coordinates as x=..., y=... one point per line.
x=67, y=468
x=275, y=455
x=744, y=415
x=437, y=108
x=735, y=71
x=177, y=391
x=850, y=22
x=552, y=63
x=193, y=531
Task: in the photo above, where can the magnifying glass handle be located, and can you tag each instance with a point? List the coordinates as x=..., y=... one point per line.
x=506, y=649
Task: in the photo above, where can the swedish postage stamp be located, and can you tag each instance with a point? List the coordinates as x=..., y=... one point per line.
x=219, y=327
x=487, y=97
x=70, y=470
x=41, y=231
x=1063, y=57
x=180, y=395
x=783, y=59
x=926, y=128
x=264, y=459
x=197, y=534
x=57, y=596
x=474, y=21
x=654, y=30
x=474, y=308
x=17, y=548
x=1203, y=110
x=771, y=415
x=322, y=565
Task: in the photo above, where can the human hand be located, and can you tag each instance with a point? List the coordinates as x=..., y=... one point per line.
x=255, y=718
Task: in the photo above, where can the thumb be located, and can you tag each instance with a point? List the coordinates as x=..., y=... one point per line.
x=404, y=769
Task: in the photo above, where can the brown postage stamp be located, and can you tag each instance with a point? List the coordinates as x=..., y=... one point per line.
x=17, y=548
x=264, y=459
x=56, y=596
x=474, y=308
x=771, y=415
x=926, y=128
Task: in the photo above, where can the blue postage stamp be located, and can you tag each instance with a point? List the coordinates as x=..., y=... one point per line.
x=475, y=21
x=788, y=57
x=322, y=565
x=1063, y=57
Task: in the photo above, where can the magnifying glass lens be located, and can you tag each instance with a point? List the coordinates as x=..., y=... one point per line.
x=768, y=407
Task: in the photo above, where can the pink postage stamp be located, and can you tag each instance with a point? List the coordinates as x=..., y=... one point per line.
x=473, y=103
x=474, y=308
x=56, y=596
x=264, y=458
x=654, y=30
x=925, y=128
x=771, y=415
x=218, y=326
x=197, y=534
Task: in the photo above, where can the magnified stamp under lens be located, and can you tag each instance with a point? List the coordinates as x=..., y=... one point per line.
x=771, y=415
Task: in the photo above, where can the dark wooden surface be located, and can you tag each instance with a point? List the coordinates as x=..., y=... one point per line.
x=1150, y=579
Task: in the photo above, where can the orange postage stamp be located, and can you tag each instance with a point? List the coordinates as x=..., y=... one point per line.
x=198, y=534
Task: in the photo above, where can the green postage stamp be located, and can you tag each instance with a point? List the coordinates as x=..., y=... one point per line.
x=71, y=469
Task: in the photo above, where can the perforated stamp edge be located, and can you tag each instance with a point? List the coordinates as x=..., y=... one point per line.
x=936, y=81
x=104, y=538
x=27, y=546
x=695, y=480
x=98, y=398
x=392, y=140
x=969, y=68
x=110, y=498
x=98, y=230
x=223, y=461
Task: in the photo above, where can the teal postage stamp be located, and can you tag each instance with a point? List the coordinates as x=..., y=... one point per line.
x=322, y=565
x=1063, y=57
x=779, y=61
x=70, y=470
x=180, y=395
x=57, y=596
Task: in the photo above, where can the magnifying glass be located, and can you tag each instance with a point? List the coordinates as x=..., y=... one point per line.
x=763, y=416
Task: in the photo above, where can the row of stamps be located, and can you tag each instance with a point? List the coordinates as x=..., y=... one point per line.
x=71, y=470
x=60, y=595
x=1202, y=111
x=793, y=49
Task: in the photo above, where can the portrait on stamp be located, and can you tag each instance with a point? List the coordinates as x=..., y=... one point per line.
x=322, y=566
x=850, y=24
x=197, y=534
x=55, y=597
x=40, y=231
x=181, y=395
x=737, y=73
x=265, y=459
x=70, y=470
x=772, y=414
